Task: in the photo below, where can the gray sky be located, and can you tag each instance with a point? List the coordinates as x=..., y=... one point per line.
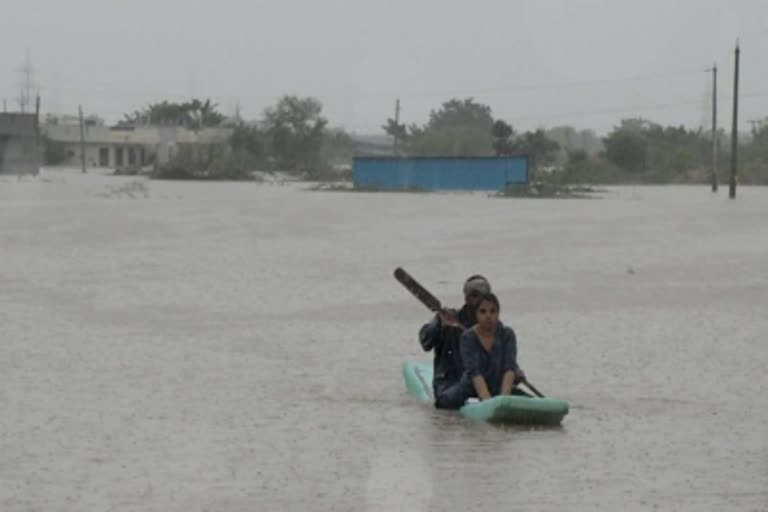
x=536, y=63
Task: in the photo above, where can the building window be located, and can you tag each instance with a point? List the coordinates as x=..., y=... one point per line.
x=118, y=157
x=131, y=156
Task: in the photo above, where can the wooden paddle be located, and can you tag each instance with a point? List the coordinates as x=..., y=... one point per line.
x=532, y=388
x=433, y=304
x=417, y=290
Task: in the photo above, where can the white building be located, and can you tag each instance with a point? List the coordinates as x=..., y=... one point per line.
x=127, y=147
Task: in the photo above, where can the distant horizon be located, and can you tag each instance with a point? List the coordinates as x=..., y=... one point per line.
x=112, y=116
x=580, y=63
x=381, y=133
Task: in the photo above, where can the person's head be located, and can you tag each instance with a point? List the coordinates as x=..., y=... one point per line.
x=475, y=286
x=486, y=309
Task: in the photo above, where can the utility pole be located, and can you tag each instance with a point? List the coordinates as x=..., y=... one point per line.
x=237, y=113
x=735, y=127
x=715, y=141
x=397, y=125
x=37, y=133
x=82, y=138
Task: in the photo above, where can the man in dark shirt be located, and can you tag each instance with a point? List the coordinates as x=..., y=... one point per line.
x=442, y=335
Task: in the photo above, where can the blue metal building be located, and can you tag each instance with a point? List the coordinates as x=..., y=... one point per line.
x=440, y=173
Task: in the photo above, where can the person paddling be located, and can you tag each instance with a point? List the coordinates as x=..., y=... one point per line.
x=442, y=335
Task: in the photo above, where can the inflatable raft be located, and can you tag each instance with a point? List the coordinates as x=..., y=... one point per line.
x=512, y=409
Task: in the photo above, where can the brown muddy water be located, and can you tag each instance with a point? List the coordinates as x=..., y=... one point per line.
x=174, y=346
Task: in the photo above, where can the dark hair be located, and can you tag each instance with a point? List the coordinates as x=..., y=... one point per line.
x=475, y=276
x=473, y=282
x=486, y=297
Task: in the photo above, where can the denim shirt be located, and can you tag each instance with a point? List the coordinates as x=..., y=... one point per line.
x=491, y=365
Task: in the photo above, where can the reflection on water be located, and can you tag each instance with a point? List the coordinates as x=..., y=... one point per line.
x=231, y=346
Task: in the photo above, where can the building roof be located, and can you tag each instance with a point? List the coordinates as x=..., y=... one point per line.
x=141, y=135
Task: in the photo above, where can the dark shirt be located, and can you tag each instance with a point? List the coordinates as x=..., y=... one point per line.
x=444, y=342
x=491, y=365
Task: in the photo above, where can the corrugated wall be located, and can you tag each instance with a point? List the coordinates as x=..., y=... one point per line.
x=19, y=155
x=435, y=173
x=20, y=151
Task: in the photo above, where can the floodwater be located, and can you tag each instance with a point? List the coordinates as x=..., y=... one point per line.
x=177, y=346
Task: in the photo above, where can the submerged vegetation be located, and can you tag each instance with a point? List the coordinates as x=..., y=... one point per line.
x=548, y=190
x=294, y=136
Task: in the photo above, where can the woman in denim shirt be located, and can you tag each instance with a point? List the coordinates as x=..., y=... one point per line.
x=489, y=352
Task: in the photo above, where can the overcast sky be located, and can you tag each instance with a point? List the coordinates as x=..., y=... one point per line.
x=586, y=63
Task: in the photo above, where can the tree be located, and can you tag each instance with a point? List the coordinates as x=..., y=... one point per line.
x=195, y=114
x=166, y=113
x=571, y=139
x=203, y=113
x=135, y=118
x=338, y=146
x=248, y=140
x=754, y=155
x=627, y=149
x=295, y=129
x=758, y=146
x=458, y=128
x=662, y=153
x=578, y=156
x=681, y=160
x=502, y=134
x=541, y=149
x=396, y=130
x=456, y=112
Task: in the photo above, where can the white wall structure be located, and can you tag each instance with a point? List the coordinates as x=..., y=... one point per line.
x=121, y=147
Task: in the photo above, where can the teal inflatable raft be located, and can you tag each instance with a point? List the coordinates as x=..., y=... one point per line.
x=510, y=409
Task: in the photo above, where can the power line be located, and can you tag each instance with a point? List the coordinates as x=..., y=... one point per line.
x=572, y=83
x=118, y=86
x=115, y=88
x=627, y=109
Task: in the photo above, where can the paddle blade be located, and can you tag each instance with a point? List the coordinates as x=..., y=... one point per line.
x=417, y=290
